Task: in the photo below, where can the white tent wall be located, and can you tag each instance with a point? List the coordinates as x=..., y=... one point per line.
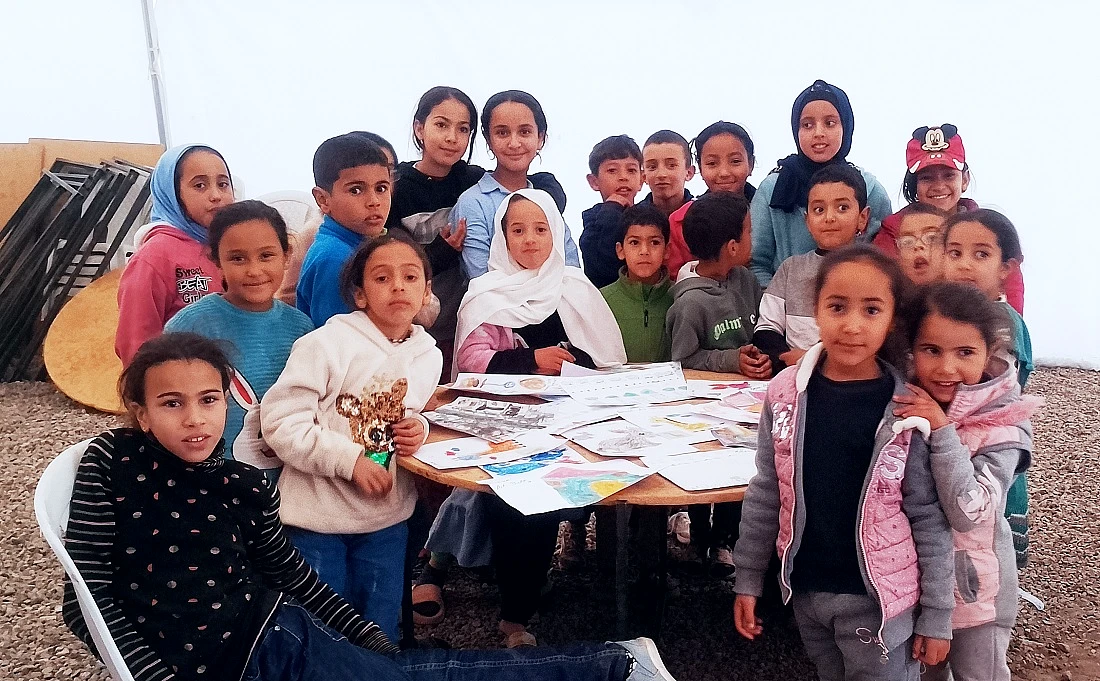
x=265, y=82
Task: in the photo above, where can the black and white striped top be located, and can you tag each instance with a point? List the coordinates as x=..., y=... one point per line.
x=188, y=562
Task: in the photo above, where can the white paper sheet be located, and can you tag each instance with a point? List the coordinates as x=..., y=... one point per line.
x=508, y=384
x=570, y=370
x=723, y=412
x=566, y=486
x=491, y=420
x=653, y=385
x=559, y=455
x=710, y=470
x=622, y=438
x=676, y=421
x=466, y=452
x=716, y=390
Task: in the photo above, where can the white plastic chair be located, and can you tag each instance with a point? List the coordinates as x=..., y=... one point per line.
x=51, y=509
x=296, y=207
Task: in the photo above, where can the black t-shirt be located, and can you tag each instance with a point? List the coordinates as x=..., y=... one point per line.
x=546, y=334
x=841, y=419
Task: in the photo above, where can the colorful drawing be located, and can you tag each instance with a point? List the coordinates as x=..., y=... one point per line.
x=466, y=452
x=534, y=462
x=491, y=420
x=621, y=438
x=581, y=487
x=566, y=486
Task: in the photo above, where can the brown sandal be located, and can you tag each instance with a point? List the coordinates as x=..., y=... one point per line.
x=427, y=603
x=520, y=639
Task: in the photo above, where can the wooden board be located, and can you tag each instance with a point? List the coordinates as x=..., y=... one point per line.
x=653, y=491
x=79, y=350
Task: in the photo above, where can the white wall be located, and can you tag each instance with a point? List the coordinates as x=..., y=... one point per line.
x=265, y=82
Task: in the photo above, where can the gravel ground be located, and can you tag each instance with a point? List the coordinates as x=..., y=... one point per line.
x=698, y=641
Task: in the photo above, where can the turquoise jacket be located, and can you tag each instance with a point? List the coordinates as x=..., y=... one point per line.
x=777, y=234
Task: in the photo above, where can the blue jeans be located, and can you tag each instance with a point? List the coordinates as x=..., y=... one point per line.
x=368, y=570
x=299, y=647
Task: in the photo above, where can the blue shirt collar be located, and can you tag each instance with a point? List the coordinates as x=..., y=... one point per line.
x=488, y=184
x=334, y=228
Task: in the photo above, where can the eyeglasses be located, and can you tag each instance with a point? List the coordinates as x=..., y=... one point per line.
x=929, y=239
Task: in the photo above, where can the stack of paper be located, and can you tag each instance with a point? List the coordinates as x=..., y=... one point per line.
x=467, y=452
x=491, y=420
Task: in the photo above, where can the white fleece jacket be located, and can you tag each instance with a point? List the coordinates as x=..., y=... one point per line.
x=350, y=359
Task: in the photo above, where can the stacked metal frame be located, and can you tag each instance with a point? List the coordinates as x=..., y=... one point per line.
x=62, y=237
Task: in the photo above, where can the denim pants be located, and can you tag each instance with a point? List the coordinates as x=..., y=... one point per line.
x=368, y=570
x=298, y=647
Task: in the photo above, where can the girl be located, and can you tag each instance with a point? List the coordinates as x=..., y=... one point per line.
x=250, y=245
x=171, y=267
x=853, y=512
x=981, y=439
x=514, y=127
x=982, y=248
x=725, y=155
x=822, y=122
x=348, y=399
x=937, y=175
x=239, y=601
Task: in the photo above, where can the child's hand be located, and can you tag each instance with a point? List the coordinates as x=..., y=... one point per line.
x=930, y=651
x=457, y=237
x=791, y=357
x=744, y=617
x=370, y=478
x=753, y=363
x=921, y=404
x=408, y=435
x=549, y=360
x=623, y=201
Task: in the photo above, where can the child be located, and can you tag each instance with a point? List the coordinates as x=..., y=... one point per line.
x=666, y=168
x=713, y=314
x=616, y=173
x=514, y=126
x=171, y=268
x=822, y=122
x=920, y=243
x=354, y=183
x=249, y=243
x=981, y=439
x=836, y=215
x=640, y=298
x=937, y=175
x=852, y=511
x=725, y=155
x=348, y=400
x=138, y=497
x=982, y=248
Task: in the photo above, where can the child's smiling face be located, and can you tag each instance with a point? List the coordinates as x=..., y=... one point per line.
x=941, y=186
x=946, y=355
x=253, y=262
x=184, y=408
x=725, y=164
x=820, y=132
x=514, y=137
x=666, y=170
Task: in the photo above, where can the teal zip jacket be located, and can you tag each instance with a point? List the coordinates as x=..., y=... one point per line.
x=640, y=310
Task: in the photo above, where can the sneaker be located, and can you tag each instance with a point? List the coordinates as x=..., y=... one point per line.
x=679, y=525
x=722, y=567
x=648, y=665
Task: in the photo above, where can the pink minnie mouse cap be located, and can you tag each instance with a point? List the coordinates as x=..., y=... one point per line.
x=940, y=146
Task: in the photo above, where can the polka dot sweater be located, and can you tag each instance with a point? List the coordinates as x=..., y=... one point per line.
x=187, y=562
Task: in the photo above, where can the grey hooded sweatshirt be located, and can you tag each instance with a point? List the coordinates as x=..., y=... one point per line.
x=709, y=320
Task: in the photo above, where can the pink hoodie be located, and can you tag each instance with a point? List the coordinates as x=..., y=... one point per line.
x=168, y=271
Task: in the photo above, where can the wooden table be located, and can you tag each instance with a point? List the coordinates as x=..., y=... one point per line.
x=653, y=496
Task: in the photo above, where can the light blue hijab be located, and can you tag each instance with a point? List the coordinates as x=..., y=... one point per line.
x=166, y=203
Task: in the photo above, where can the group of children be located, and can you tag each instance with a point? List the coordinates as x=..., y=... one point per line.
x=423, y=269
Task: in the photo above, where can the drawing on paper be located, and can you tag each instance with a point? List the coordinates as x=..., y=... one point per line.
x=581, y=487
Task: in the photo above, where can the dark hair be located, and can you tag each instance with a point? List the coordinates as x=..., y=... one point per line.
x=723, y=128
x=1008, y=240
x=171, y=347
x=644, y=214
x=894, y=348
x=339, y=153
x=712, y=221
x=909, y=183
x=351, y=274
x=380, y=141
x=243, y=211
x=519, y=97
x=961, y=303
x=924, y=209
x=436, y=96
x=614, y=148
x=846, y=174
x=670, y=137
x=176, y=176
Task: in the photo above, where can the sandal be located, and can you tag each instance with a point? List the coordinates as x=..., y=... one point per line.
x=427, y=604
x=520, y=639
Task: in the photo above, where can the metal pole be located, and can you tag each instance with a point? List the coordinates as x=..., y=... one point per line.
x=153, y=47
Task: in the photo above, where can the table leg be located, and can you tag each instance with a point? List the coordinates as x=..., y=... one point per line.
x=652, y=568
x=622, y=537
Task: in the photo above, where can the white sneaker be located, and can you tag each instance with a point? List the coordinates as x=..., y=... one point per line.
x=723, y=562
x=648, y=665
x=679, y=525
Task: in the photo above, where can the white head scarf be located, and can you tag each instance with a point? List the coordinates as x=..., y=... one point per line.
x=513, y=297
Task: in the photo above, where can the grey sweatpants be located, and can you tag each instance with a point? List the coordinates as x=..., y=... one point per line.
x=840, y=634
x=977, y=654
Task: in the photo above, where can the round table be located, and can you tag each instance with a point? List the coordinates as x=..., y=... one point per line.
x=654, y=496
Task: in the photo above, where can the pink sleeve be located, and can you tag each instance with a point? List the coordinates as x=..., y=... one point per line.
x=1014, y=290
x=480, y=346
x=888, y=234
x=677, y=252
x=143, y=302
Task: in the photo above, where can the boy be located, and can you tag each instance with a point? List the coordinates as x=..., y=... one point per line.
x=836, y=213
x=640, y=298
x=666, y=168
x=713, y=314
x=920, y=243
x=616, y=173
